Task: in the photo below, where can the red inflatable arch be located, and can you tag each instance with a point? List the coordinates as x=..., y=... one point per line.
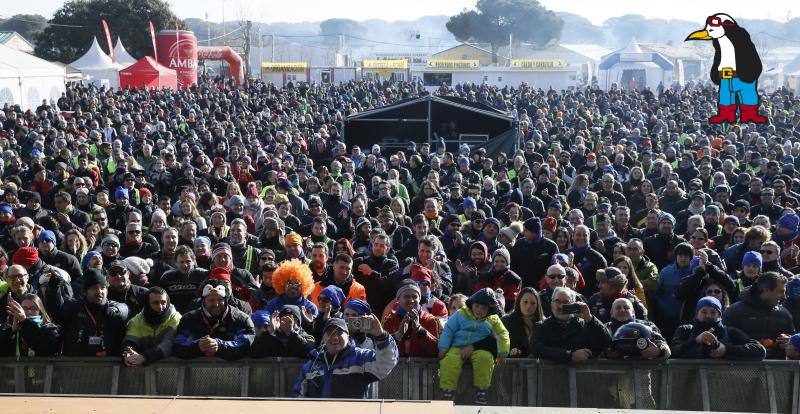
x=223, y=53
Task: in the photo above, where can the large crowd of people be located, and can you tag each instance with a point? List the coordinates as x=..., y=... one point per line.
x=239, y=223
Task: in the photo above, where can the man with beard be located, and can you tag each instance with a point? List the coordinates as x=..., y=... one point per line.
x=245, y=256
x=341, y=276
x=164, y=260
x=151, y=332
x=374, y=271
x=293, y=282
x=182, y=282
x=659, y=247
x=569, y=337
x=319, y=262
x=216, y=329
x=120, y=289
x=707, y=337
x=93, y=325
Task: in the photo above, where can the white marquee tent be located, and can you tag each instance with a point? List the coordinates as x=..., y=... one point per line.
x=632, y=67
x=26, y=80
x=122, y=56
x=97, y=67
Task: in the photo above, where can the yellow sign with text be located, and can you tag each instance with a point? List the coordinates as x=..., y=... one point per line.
x=386, y=64
x=444, y=64
x=284, y=67
x=534, y=64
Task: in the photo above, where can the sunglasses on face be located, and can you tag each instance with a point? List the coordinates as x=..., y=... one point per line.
x=713, y=292
x=556, y=276
x=767, y=252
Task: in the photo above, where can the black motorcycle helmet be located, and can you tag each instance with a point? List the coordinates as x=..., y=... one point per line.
x=632, y=338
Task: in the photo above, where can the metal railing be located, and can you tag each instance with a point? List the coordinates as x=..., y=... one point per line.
x=770, y=386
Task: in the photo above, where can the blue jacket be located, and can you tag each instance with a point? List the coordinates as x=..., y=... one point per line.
x=276, y=304
x=349, y=373
x=668, y=280
x=463, y=329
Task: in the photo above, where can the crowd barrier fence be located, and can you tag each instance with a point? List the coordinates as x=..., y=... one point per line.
x=769, y=386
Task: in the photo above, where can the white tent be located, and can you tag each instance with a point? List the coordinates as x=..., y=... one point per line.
x=97, y=67
x=26, y=80
x=122, y=56
x=632, y=67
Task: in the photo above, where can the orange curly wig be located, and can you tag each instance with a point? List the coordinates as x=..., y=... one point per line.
x=293, y=270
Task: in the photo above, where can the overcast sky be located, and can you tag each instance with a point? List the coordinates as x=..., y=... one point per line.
x=316, y=10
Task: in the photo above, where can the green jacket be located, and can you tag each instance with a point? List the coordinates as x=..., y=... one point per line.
x=153, y=342
x=647, y=272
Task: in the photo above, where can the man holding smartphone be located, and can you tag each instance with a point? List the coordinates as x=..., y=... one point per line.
x=572, y=333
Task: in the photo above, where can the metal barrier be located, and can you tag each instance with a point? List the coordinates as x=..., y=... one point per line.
x=770, y=386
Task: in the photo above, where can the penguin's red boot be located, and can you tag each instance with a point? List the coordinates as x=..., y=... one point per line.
x=750, y=114
x=727, y=113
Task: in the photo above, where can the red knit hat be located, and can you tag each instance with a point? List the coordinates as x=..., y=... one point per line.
x=220, y=273
x=144, y=191
x=252, y=191
x=26, y=256
x=419, y=273
x=549, y=224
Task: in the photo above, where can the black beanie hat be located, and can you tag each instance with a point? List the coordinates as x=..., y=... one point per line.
x=93, y=277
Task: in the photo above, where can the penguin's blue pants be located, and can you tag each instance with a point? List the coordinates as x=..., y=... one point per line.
x=729, y=89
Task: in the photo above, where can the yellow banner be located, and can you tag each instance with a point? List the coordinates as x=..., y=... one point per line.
x=284, y=67
x=445, y=64
x=533, y=64
x=399, y=64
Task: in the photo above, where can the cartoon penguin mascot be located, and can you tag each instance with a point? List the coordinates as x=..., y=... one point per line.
x=736, y=69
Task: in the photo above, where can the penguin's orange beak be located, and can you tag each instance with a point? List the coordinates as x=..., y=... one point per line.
x=699, y=35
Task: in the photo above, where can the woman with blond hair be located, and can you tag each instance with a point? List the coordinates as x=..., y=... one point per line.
x=625, y=265
x=74, y=243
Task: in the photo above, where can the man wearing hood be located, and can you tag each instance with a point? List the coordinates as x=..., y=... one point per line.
x=476, y=261
x=216, y=329
x=569, y=337
x=708, y=338
x=341, y=276
x=283, y=335
x=760, y=315
x=152, y=331
x=530, y=256
x=93, y=325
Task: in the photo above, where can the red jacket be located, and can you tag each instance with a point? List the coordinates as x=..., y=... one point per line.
x=420, y=344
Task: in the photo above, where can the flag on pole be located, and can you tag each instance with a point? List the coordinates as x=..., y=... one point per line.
x=153, y=38
x=108, y=39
